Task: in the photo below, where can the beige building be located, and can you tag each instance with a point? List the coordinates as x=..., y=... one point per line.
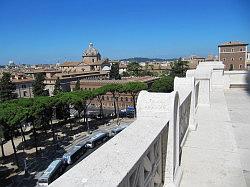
x=212, y=58
x=248, y=61
x=67, y=78
x=91, y=61
x=156, y=67
x=91, y=55
x=124, y=100
x=23, y=85
x=91, y=68
x=194, y=60
x=233, y=55
x=51, y=76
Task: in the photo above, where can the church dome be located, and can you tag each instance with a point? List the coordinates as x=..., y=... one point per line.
x=91, y=51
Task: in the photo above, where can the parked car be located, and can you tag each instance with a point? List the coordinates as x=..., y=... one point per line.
x=130, y=114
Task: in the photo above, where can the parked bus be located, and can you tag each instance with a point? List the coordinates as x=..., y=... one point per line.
x=97, y=138
x=74, y=153
x=54, y=170
x=118, y=129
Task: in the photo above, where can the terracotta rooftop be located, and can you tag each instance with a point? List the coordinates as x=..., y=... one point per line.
x=76, y=74
x=22, y=80
x=131, y=79
x=70, y=64
x=235, y=43
x=42, y=71
x=98, y=63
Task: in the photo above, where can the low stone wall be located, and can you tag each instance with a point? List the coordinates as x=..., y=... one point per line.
x=134, y=157
x=236, y=79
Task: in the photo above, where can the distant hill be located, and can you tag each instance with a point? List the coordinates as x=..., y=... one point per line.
x=142, y=59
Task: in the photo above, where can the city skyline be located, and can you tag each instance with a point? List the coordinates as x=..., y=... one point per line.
x=47, y=32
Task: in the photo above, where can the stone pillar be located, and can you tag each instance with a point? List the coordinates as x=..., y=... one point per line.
x=165, y=106
x=217, y=80
x=190, y=73
x=203, y=75
x=184, y=86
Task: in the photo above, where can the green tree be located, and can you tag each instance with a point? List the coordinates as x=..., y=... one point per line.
x=38, y=86
x=114, y=72
x=134, y=69
x=40, y=114
x=133, y=88
x=57, y=88
x=7, y=88
x=99, y=95
x=77, y=86
x=115, y=90
x=10, y=115
x=81, y=101
x=179, y=68
x=125, y=74
x=164, y=84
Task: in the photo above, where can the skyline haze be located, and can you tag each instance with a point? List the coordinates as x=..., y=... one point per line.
x=35, y=32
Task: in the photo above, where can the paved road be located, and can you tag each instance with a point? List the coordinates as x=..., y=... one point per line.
x=89, y=151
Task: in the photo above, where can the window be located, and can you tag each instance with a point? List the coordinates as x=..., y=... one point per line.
x=25, y=94
x=241, y=49
x=23, y=86
x=126, y=99
x=232, y=59
x=241, y=58
x=232, y=50
x=224, y=59
x=121, y=98
x=103, y=98
x=224, y=50
x=93, y=60
x=107, y=98
x=240, y=66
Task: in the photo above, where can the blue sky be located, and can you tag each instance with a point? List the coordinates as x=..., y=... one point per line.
x=45, y=31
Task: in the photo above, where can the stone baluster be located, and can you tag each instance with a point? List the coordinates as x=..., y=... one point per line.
x=165, y=106
x=217, y=80
x=203, y=75
x=184, y=86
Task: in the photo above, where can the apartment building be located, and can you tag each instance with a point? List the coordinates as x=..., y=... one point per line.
x=233, y=55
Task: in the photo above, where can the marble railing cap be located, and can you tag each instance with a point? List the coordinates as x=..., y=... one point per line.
x=203, y=72
x=212, y=64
